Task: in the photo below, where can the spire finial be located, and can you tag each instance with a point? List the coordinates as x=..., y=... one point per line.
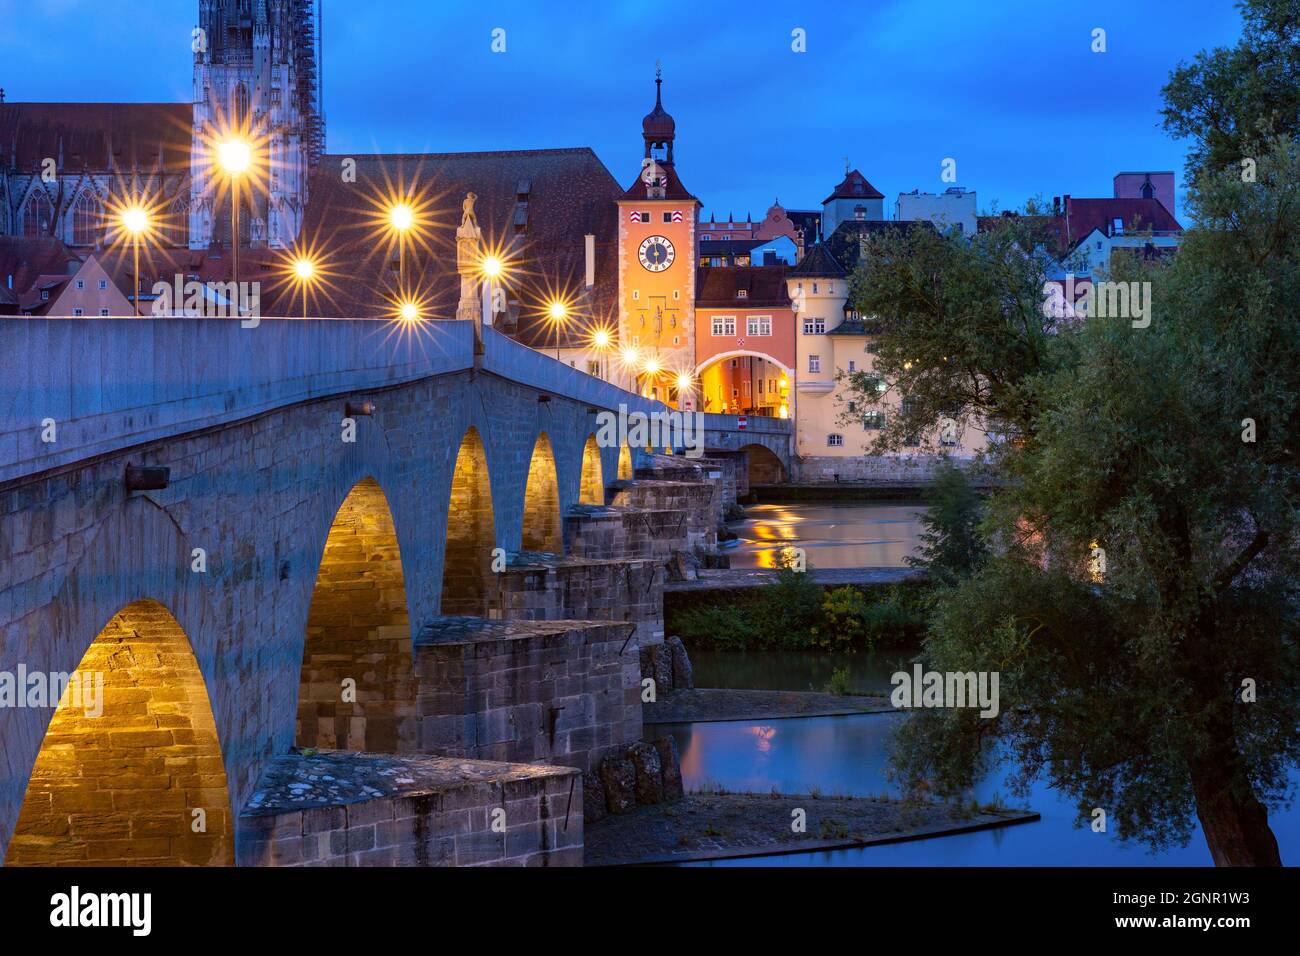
x=659, y=82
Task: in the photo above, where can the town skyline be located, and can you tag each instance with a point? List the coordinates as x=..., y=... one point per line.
x=900, y=144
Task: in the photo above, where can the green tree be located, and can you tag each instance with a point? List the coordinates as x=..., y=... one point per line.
x=951, y=544
x=1162, y=685
x=1232, y=102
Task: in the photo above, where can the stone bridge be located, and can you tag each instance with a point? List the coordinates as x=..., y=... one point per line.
x=351, y=592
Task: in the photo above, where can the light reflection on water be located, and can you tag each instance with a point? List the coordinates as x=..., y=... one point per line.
x=847, y=534
x=847, y=755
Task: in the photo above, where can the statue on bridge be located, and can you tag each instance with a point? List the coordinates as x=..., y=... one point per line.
x=468, y=256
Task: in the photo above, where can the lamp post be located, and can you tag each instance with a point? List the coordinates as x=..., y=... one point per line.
x=601, y=342
x=558, y=312
x=401, y=217
x=305, y=270
x=491, y=267
x=235, y=156
x=135, y=220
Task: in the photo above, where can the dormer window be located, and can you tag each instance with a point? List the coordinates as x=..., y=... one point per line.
x=742, y=293
x=1117, y=227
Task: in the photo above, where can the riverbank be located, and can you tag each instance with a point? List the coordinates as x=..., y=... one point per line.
x=709, y=704
x=718, y=826
x=732, y=579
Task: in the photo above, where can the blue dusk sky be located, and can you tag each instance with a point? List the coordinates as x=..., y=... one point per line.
x=1008, y=88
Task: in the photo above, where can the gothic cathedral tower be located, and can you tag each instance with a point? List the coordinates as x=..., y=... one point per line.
x=656, y=263
x=255, y=75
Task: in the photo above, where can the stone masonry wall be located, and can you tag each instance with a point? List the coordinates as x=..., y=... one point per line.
x=527, y=691
x=412, y=811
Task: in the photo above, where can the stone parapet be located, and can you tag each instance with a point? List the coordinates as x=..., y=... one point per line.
x=335, y=808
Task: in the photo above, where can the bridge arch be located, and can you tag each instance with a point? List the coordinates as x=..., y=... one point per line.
x=764, y=465
x=357, y=686
x=625, y=469
x=591, y=489
x=744, y=381
x=542, y=524
x=471, y=531
x=130, y=771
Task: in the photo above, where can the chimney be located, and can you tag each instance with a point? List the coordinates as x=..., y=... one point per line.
x=1056, y=205
x=590, y=245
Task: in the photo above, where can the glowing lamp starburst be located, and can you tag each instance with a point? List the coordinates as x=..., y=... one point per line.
x=402, y=217
x=235, y=156
x=135, y=220
x=304, y=269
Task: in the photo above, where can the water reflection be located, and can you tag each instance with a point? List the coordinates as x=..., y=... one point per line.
x=847, y=755
x=849, y=534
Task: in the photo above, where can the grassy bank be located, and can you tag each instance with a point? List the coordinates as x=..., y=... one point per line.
x=796, y=613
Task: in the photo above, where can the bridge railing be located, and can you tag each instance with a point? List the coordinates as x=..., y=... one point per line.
x=72, y=389
x=98, y=385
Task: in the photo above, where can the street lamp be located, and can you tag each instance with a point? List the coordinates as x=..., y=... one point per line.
x=558, y=312
x=305, y=270
x=135, y=221
x=235, y=157
x=401, y=217
x=409, y=311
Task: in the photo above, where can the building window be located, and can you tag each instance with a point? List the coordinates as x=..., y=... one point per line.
x=45, y=295
x=853, y=366
x=593, y=368
x=104, y=313
x=677, y=293
x=636, y=294
x=77, y=313
x=814, y=326
x=759, y=325
x=745, y=387
x=81, y=283
x=814, y=288
x=668, y=217
x=644, y=216
x=37, y=215
x=814, y=363
x=86, y=218
x=724, y=325
x=742, y=293
x=835, y=441
x=873, y=420
x=103, y=285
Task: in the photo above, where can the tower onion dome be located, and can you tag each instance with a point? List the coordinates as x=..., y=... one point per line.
x=658, y=127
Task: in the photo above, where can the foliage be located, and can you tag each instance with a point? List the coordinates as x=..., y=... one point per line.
x=1233, y=102
x=951, y=544
x=1126, y=693
x=839, y=685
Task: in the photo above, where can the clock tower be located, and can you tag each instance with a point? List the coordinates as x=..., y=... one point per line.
x=656, y=262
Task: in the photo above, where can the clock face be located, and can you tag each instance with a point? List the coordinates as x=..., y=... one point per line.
x=656, y=253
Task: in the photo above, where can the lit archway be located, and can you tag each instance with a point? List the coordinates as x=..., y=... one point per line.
x=592, y=488
x=357, y=690
x=745, y=383
x=130, y=772
x=542, y=501
x=471, y=532
x=625, y=472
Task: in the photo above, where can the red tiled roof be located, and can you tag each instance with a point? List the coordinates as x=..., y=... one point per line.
x=673, y=189
x=716, y=288
x=28, y=259
x=96, y=135
x=854, y=186
x=1082, y=216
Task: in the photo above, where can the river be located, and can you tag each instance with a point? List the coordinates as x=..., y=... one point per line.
x=839, y=534
x=847, y=755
